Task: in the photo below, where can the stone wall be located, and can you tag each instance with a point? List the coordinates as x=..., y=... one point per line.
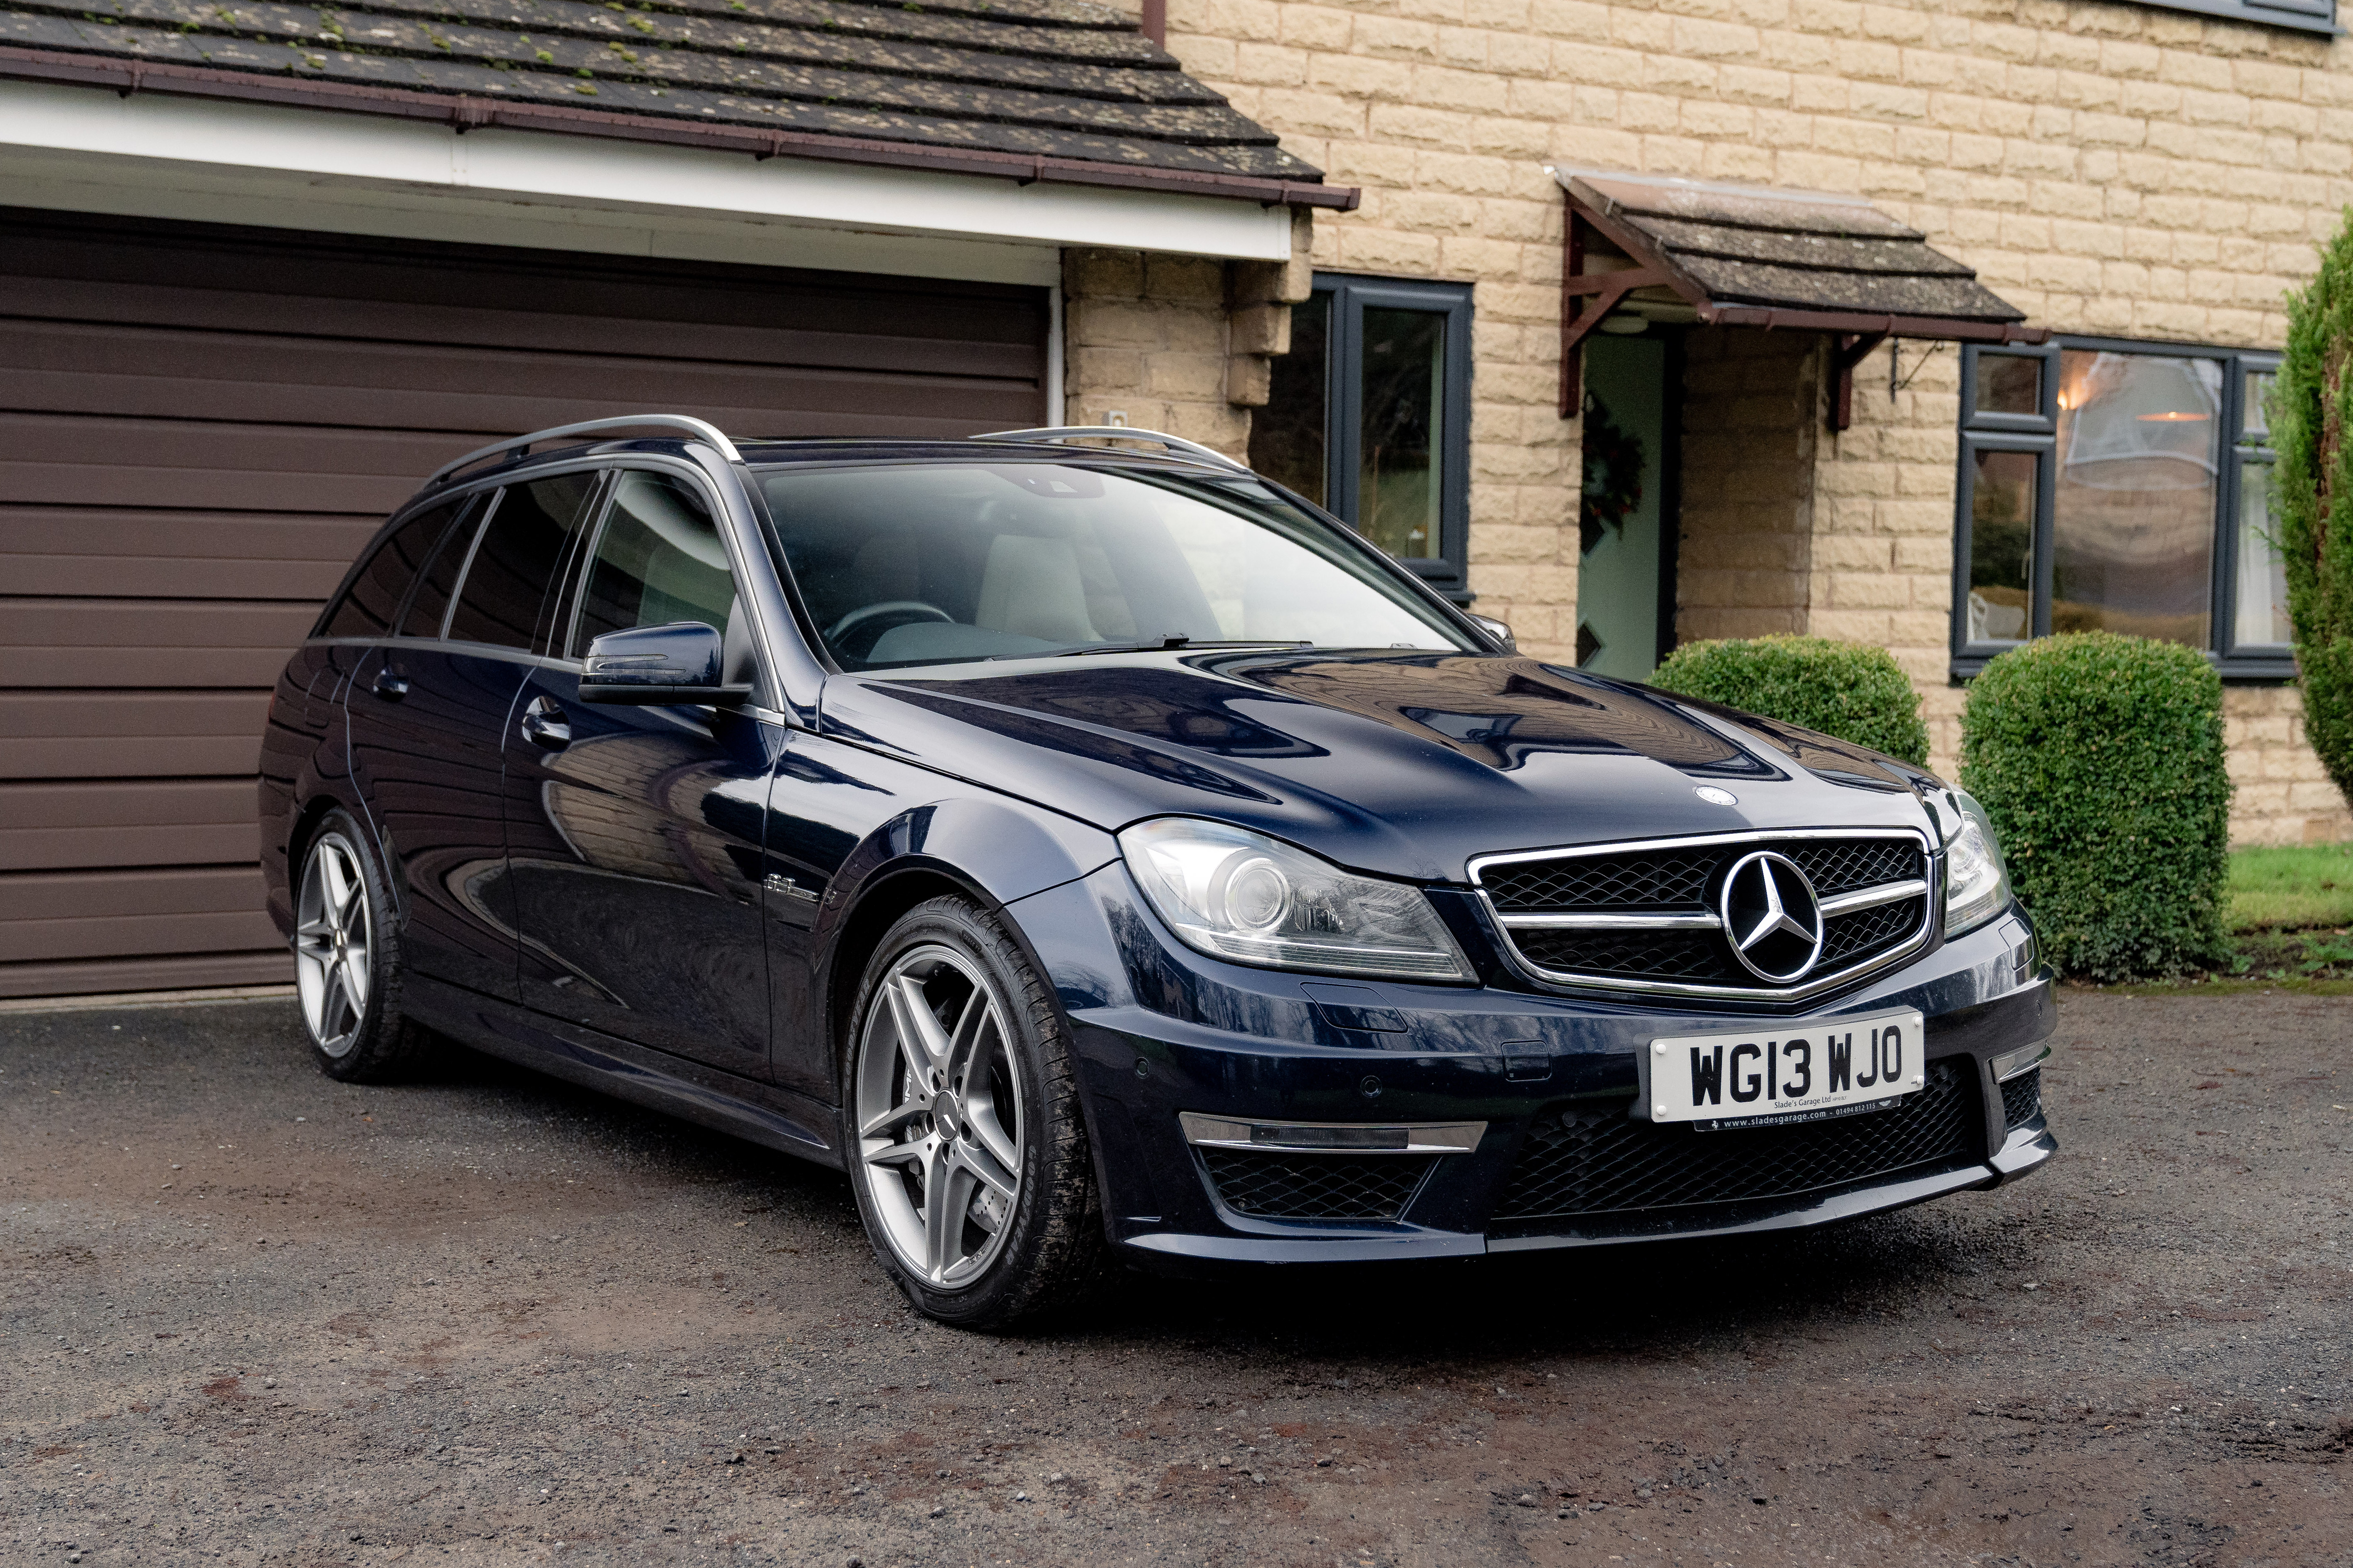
x=1751, y=432
x=2285, y=794
x=1146, y=337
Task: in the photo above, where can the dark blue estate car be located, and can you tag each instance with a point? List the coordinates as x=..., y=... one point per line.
x=1092, y=850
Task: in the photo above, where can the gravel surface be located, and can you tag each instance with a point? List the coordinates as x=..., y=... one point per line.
x=254, y=1316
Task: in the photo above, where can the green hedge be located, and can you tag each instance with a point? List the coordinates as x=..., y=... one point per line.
x=2100, y=759
x=1843, y=688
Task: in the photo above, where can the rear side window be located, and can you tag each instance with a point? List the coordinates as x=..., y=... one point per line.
x=522, y=546
x=659, y=561
x=439, y=581
x=370, y=603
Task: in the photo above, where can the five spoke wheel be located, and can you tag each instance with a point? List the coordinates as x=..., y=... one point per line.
x=938, y=1108
x=332, y=945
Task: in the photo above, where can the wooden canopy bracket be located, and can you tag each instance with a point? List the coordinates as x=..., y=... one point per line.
x=1585, y=299
x=1851, y=350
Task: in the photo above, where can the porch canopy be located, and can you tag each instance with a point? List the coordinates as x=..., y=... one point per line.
x=1679, y=251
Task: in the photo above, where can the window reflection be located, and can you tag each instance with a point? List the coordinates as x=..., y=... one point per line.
x=2139, y=439
x=1405, y=366
x=2009, y=384
x=1286, y=440
x=2261, y=614
x=2255, y=420
x=2002, y=546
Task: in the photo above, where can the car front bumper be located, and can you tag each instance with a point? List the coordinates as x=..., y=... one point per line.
x=1160, y=1031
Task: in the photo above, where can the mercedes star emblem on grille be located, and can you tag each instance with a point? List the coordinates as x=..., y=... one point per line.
x=1772, y=917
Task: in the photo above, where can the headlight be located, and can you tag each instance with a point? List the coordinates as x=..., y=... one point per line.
x=1239, y=895
x=1977, y=885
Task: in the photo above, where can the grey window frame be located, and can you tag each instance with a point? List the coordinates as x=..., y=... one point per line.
x=1344, y=406
x=2262, y=664
x=2304, y=15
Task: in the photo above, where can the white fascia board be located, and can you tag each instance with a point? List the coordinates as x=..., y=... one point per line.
x=304, y=166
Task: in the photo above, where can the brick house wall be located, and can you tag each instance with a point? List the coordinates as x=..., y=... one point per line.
x=2107, y=168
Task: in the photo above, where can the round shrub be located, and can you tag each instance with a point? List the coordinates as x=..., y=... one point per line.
x=1857, y=693
x=2100, y=759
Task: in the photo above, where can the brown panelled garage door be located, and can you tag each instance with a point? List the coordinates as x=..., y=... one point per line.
x=199, y=428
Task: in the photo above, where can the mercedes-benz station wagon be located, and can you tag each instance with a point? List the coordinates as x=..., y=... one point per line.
x=1103, y=854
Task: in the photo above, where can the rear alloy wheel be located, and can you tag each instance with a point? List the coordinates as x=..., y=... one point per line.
x=971, y=1167
x=347, y=962
x=331, y=950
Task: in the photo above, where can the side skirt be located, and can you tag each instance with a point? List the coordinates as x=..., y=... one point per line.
x=762, y=1113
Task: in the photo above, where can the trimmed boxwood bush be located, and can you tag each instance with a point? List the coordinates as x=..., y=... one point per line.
x=2100, y=759
x=1843, y=688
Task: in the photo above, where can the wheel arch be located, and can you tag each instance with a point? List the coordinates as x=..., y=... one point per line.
x=990, y=851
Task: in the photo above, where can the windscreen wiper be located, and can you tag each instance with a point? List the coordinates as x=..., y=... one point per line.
x=1156, y=644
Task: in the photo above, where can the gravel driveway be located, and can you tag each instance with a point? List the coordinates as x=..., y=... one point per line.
x=253, y=1316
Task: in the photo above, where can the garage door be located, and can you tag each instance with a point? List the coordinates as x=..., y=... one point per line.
x=199, y=427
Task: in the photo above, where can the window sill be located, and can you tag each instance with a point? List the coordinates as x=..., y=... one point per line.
x=2301, y=21
x=2242, y=669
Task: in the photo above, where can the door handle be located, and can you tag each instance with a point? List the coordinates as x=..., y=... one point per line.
x=389, y=686
x=543, y=725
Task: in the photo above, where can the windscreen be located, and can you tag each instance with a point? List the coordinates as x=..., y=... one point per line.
x=938, y=564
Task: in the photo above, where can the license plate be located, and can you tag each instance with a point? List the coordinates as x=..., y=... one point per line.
x=1807, y=1070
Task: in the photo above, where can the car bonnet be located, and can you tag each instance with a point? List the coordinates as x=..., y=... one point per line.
x=1405, y=764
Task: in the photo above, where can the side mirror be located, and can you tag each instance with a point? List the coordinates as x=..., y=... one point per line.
x=1499, y=631
x=676, y=663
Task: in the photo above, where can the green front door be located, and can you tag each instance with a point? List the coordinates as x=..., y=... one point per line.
x=1624, y=532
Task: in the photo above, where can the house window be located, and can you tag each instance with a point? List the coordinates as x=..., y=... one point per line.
x=1368, y=417
x=2304, y=16
x=2116, y=486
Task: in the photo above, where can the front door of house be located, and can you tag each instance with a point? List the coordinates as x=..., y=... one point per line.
x=1625, y=609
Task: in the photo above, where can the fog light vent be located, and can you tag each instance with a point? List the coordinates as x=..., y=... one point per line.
x=1316, y=1186
x=2022, y=1098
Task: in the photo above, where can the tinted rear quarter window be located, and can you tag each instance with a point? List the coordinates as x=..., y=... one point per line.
x=369, y=605
x=430, y=601
x=521, y=549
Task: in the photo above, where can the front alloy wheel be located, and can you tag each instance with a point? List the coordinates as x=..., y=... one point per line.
x=961, y=1118
x=939, y=1116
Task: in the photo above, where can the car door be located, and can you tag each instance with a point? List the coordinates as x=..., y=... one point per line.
x=427, y=717
x=407, y=762
x=635, y=854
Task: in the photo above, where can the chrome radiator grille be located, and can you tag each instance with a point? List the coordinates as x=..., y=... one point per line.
x=1652, y=916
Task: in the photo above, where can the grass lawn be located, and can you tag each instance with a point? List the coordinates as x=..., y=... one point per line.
x=2294, y=888
x=2289, y=910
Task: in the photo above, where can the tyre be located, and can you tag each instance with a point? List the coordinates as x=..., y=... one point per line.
x=962, y=1126
x=347, y=961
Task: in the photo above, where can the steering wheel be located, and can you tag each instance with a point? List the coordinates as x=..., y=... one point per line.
x=913, y=609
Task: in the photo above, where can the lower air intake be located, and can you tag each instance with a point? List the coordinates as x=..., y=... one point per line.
x=1314, y=1187
x=2022, y=1098
x=1587, y=1161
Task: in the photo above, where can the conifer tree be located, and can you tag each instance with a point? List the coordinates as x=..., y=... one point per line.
x=2312, y=407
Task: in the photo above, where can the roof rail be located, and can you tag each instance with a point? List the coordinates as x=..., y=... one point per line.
x=708, y=432
x=1051, y=434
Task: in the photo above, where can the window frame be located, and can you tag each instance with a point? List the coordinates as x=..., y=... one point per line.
x=2039, y=432
x=1448, y=572
x=601, y=506
x=496, y=491
x=2303, y=15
